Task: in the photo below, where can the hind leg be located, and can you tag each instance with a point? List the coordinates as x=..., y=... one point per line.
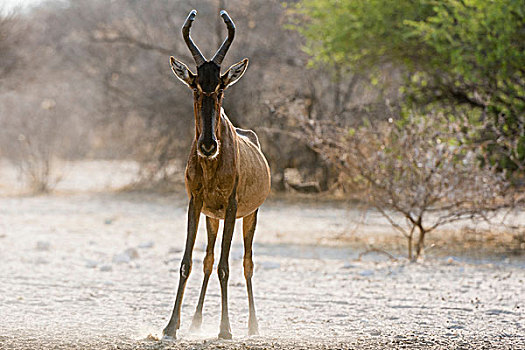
x=212, y=226
x=248, y=227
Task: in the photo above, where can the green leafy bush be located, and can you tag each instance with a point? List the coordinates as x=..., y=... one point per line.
x=458, y=56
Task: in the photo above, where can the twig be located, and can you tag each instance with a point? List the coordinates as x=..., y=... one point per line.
x=376, y=250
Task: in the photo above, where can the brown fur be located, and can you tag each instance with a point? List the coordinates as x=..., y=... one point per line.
x=239, y=159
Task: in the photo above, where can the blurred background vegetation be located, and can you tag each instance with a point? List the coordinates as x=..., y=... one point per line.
x=462, y=58
x=412, y=106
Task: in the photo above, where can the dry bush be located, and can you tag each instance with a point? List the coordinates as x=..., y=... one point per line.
x=27, y=134
x=324, y=93
x=37, y=134
x=419, y=167
x=31, y=144
x=44, y=113
x=11, y=35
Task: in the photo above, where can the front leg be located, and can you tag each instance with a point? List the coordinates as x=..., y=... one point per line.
x=223, y=268
x=194, y=211
x=212, y=226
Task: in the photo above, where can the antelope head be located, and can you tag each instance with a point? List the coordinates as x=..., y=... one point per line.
x=208, y=85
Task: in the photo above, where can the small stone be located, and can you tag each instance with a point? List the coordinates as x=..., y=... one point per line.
x=126, y=256
x=452, y=260
x=106, y=268
x=91, y=263
x=132, y=253
x=146, y=245
x=152, y=337
x=348, y=265
x=43, y=246
x=121, y=258
x=366, y=273
x=41, y=261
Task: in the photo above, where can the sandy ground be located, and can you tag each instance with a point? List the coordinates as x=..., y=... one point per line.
x=95, y=270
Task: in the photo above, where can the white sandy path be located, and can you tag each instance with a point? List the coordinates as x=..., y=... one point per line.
x=68, y=292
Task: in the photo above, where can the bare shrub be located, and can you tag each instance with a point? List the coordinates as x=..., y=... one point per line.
x=46, y=110
x=31, y=144
x=419, y=167
x=11, y=34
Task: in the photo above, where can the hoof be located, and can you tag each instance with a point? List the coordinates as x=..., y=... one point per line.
x=225, y=335
x=168, y=338
x=253, y=327
x=169, y=333
x=196, y=324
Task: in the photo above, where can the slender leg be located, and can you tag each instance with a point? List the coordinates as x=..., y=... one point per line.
x=212, y=226
x=248, y=228
x=223, y=268
x=194, y=211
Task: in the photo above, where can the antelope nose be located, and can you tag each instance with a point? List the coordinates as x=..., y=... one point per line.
x=208, y=148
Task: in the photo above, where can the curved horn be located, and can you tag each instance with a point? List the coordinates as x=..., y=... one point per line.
x=219, y=56
x=197, y=55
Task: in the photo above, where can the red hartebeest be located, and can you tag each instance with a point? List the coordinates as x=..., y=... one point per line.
x=227, y=177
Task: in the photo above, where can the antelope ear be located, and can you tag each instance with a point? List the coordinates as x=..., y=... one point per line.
x=182, y=71
x=234, y=73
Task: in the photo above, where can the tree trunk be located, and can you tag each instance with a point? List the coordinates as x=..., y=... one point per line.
x=420, y=246
x=409, y=239
x=337, y=89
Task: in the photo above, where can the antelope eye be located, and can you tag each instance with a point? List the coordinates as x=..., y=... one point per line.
x=195, y=90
